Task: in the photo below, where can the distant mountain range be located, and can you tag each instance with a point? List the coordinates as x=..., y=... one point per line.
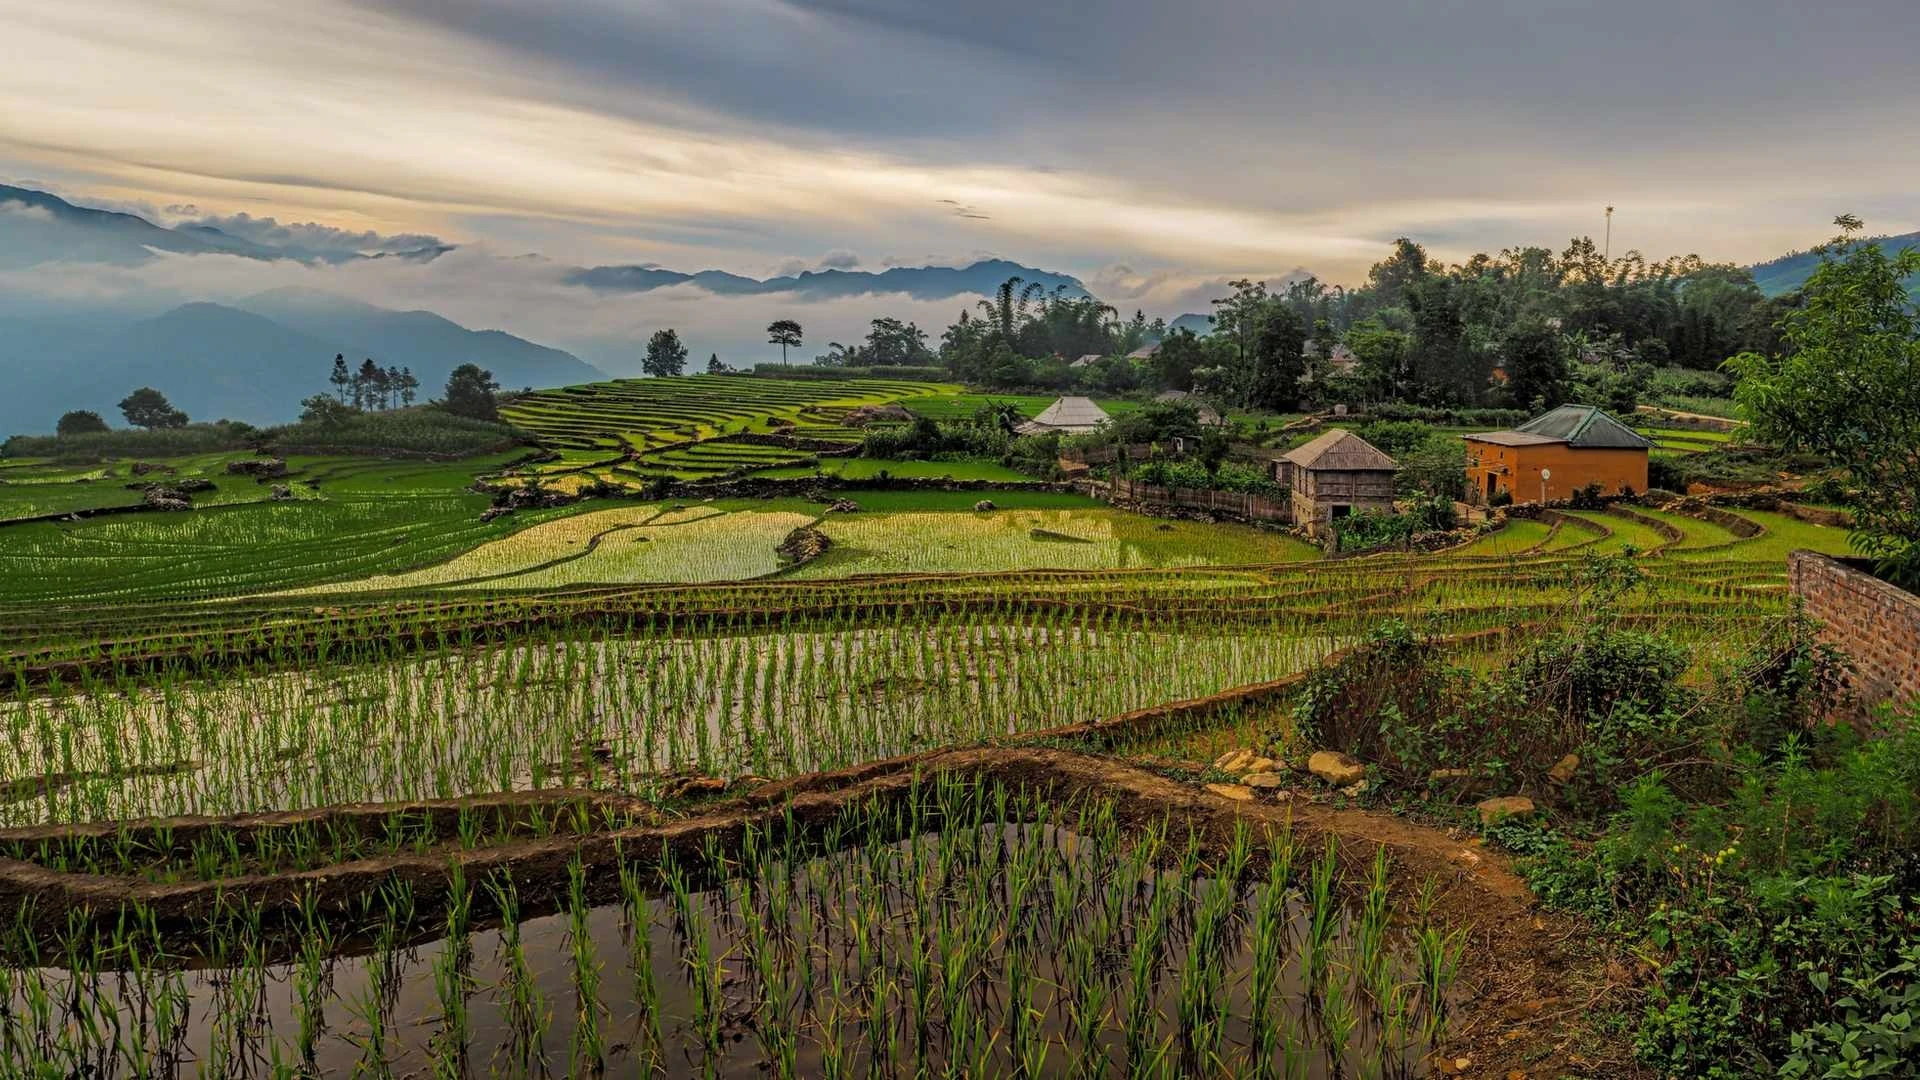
x=252, y=361
x=1789, y=272
x=919, y=282
x=36, y=228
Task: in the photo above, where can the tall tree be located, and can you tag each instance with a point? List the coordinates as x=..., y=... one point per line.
x=341, y=377
x=1390, y=279
x=891, y=341
x=714, y=366
x=1279, y=358
x=390, y=385
x=1534, y=354
x=1848, y=388
x=470, y=390
x=149, y=408
x=80, y=422
x=666, y=356
x=784, y=333
x=366, y=384
x=409, y=385
x=1443, y=366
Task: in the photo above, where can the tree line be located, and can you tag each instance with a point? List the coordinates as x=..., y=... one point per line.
x=1526, y=328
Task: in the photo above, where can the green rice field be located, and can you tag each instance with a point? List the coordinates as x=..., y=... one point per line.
x=702, y=426
x=551, y=793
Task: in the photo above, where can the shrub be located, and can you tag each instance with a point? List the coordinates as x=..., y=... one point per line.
x=132, y=442
x=1371, y=529
x=424, y=429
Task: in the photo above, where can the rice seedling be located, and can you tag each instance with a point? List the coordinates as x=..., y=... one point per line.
x=983, y=931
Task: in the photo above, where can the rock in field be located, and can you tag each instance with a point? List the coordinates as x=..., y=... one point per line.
x=157, y=497
x=1266, y=781
x=1233, y=761
x=1564, y=771
x=281, y=493
x=1506, y=806
x=1336, y=768
x=984, y=504
x=1236, y=792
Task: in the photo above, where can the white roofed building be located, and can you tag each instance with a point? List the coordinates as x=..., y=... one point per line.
x=1068, y=416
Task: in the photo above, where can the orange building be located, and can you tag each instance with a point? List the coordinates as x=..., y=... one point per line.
x=1553, y=455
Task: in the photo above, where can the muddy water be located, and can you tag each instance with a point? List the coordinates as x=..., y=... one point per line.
x=813, y=969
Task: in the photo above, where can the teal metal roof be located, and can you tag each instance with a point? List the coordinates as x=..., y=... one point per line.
x=1584, y=426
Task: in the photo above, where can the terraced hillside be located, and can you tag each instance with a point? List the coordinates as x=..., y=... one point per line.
x=699, y=426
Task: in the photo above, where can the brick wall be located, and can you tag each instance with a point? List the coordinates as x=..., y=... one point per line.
x=1876, y=623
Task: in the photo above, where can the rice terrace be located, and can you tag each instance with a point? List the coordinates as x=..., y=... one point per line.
x=931, y=719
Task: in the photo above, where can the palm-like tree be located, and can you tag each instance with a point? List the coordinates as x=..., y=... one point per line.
x=1010, y=308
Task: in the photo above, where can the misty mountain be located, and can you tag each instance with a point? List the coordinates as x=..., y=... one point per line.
x=1199, y=325
x=1789, y=272
x=918, y=282
x=36, y=228
x=256, y=364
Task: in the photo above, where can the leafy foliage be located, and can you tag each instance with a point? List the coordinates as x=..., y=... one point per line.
x=1848, y=388
x=80, y=422
x=149, y=408
x=666, y=355
x=470, y=391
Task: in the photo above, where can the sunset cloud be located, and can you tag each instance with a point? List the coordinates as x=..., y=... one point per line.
x=1192, y=142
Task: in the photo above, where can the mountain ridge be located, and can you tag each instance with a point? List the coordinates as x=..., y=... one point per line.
x=920, y=282
x=266, y=356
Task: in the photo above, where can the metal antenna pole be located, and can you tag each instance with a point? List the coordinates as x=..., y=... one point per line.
x=1607, y=252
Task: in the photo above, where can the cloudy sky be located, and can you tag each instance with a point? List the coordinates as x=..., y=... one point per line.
x=1145, y=146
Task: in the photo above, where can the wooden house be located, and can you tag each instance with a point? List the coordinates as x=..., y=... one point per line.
x=1337, y=474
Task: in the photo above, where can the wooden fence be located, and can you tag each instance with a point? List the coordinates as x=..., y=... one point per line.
x=1237, y=504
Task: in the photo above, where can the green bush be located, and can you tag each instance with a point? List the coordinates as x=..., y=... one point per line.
x=132, y=442
x=1370, y=529
x=424, y=429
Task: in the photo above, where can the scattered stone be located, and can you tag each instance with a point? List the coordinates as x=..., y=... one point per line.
x=1236, y=792
x=534, y=496
x=493, y=512
x=1266, y=781
x=843, y=506
x=1336, y=768
x=1263, y=764
x=984, y=505
x=1564, y=771
x=1354, y=790
x=259, y=468
x=281, y=493
x=161, y=497
x=1234, y=761
x=1506, y=806
x=142, y=468
x=1449, y=776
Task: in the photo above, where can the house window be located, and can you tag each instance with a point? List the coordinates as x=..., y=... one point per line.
x=1341, y=510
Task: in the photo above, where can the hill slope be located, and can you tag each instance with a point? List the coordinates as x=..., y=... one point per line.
x=216, y=361
x=1789, y=272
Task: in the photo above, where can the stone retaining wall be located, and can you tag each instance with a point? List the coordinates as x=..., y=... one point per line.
x=1877, y=624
